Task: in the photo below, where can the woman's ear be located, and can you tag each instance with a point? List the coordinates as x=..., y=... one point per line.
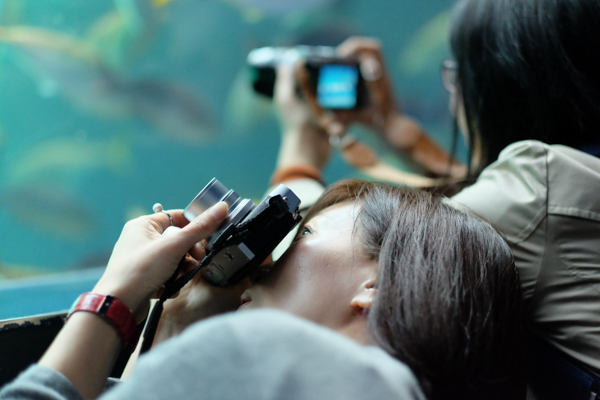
x=365, y=296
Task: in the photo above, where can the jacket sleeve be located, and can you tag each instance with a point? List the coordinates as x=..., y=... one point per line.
x=265, y=355
x=40, y=383
x=512, y=194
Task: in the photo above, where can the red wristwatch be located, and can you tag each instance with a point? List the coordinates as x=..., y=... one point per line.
x=113, y=311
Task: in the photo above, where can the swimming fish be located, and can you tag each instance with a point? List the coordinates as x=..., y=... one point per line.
x=172, y=109
x=51, y=210
x=428, y=47
x=57, y=160
x=70, y=67
x=64, y=65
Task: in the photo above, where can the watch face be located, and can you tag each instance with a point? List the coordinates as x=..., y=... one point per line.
x=103, y=307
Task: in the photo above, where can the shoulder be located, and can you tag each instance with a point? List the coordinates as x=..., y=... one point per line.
x=524, y=149
x=268, y=354
x=287, y=339
x=529, y=180
x=574, y=183
x=511, y=192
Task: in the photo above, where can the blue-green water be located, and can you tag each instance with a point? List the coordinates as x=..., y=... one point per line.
x=107, y=107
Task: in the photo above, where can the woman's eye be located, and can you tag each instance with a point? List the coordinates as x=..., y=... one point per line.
x=304, y=231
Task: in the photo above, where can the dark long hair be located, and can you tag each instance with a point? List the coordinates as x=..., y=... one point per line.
x=448, y=301
x=529, y=69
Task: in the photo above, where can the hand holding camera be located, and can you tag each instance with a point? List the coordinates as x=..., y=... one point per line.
x=373, y=106
x=244, y=239
x=304, y=140
x=349, y=80
x=143, y=259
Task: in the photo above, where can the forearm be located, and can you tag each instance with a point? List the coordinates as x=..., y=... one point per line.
x=406, y=134
x=303, y=146
x=84, y=351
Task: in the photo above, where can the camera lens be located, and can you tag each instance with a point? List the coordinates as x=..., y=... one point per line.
x=212, y=193
x=208, y=197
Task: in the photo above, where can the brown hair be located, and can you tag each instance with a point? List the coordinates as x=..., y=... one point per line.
x=448, y=301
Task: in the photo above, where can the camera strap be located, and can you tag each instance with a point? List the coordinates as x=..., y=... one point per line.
x=170, y=290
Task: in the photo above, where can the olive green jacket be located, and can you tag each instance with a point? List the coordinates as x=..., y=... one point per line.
x=545, y=200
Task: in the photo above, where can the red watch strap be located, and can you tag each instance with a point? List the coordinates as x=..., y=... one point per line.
x=111, y=309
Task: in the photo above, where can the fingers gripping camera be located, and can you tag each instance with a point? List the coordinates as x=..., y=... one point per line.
x=249, y=233
x=243, y=241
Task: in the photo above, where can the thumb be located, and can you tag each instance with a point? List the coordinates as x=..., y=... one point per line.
x=202, y=226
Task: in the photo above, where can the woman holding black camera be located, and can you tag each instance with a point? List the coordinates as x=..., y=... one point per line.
x=525, y=92
x=378, y=278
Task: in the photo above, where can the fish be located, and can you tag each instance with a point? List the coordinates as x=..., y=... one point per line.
x=64, y=65
x=427, y=48
x=70, y=67
x=54, y=211
x=58, y=159
x=172, y=109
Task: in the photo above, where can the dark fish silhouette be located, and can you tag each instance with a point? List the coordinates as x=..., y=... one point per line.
x=66, y=66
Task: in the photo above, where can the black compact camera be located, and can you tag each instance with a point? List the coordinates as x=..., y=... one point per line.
x=337, y=82
x=244, y=240
x=249, y=233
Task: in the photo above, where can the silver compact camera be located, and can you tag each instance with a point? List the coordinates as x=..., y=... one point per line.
x=337, y=81
x=249, y=233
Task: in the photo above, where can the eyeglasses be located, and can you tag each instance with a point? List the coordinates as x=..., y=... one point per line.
x=449, y=72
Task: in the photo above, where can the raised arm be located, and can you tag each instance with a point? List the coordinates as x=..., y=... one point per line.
x=384, y=114
x=86, y=348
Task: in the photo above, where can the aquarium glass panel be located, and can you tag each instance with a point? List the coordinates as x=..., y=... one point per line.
x=107, y=107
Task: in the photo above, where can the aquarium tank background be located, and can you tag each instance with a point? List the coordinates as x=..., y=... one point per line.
x=107, y=107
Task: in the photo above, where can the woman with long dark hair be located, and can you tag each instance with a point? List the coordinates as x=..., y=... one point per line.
x=525, y=92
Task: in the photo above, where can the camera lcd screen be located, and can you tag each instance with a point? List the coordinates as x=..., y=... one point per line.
x=336, y=87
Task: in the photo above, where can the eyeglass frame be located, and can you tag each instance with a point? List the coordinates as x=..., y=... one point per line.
x=448, y=70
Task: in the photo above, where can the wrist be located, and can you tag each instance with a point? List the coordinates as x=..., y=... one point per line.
x=300, y=171
x=122, y=293
x=306, y=147
x=112, y=310
x=129, y=287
